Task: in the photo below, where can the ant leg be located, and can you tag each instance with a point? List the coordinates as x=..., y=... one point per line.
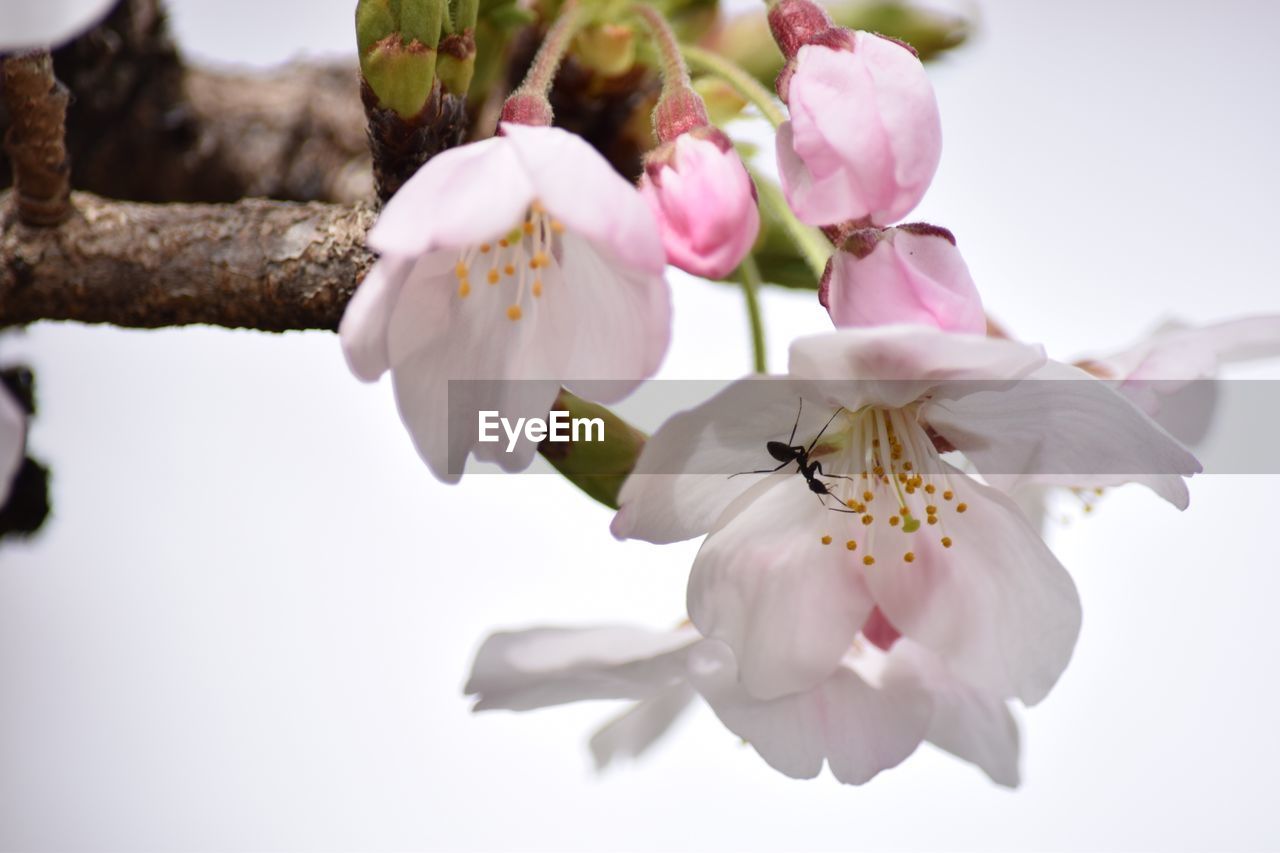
x=816, y=468
x=762, y=470
x=814, y=443
x=796, y=425
x=840, y=508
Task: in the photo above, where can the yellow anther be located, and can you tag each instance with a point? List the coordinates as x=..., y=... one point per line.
x=868, y=560
x=946, y=541
x=464, y=288
x=867, y=496
x=493, y=276
x=509, y=269
x=867, y=519
x=878, y=471
x=930, y=489
x=460, y=270
x=931, y=509
x=514, y=313
x=902, y=478
x=527, y=228
x=826, y=540
x=906, y=466
x=485, y=248
x=851, y=545
x=542, y=258
x=933, y=519
x=851, y=503
x=948, y=495
x=858, y=506
x=537, y=287
x=893, y=521
x=908, y=557
x=557, y=226
x=504, y=242
x=961, y=507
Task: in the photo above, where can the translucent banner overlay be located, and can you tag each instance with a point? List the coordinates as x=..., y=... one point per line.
x=1049, y=428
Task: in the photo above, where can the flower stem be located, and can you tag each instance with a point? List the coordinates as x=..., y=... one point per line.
x=713, y=63
x=543, y=70
x=675, y=74
x=749, y=276
x=813, y=246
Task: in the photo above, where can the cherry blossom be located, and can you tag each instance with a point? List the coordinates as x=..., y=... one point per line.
x=868, y=715
x=909, y=274
x=523, y=258
x=789, y=574
x=864, y=137
x=704, y=202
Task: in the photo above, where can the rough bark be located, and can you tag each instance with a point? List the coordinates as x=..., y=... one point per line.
x=255, y=264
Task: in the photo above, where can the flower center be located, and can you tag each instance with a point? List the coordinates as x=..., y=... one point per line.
x=881, y=465
x=521, y=258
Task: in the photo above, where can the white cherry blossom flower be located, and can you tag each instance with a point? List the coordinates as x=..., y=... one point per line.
x=867, y=716
x=789, y=574
x=524, y=258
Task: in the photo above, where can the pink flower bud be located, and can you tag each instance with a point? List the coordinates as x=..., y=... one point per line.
x=703, y=200
x=912, y=274
x=864, y=138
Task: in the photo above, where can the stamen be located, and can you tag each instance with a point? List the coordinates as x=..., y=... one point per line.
x=514, y=313
x=826, y=540
x=909, y=557
x=851, y=545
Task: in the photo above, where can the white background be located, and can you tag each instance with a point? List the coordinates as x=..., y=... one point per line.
x=248, y=623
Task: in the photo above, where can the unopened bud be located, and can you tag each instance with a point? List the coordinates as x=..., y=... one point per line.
x=456, y=62
x=912, y=274
x=397, y=44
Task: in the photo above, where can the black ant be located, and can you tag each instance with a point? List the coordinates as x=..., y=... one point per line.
x=810, y=469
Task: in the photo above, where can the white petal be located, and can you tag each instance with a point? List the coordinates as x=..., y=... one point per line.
x=681, y=482
x=857, y=729
x=13, y=434
x=363, y=330
x=535, y=668
x=632, y=733
x=461, y=197
x=907, y=361
x=1178, y=351
x=432, y=341
x=774, y=584
x=28, y=24
x=996, y=606
x=1062, y=427
x=602, y=321
x=579, y=188
x=966, y=722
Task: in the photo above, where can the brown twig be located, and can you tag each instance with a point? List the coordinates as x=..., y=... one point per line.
x=36, y=139
x=256, y=264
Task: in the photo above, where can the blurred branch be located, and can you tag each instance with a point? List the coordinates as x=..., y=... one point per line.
x=255, y=264
x=144, y=126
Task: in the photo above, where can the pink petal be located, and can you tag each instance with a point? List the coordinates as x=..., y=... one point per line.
x=461, y=197
x=857, y=729
x=773, y=584
x=579, y=188
x=996, y=607
x=910, y=277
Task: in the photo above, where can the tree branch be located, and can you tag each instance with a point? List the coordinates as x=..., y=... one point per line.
x=256, y=264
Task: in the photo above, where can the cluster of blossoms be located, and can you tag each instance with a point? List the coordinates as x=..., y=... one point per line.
x=880, y=587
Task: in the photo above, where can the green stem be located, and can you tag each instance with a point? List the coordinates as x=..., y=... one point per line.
x=749, y=275
x=465, y=14
x=710, y=62
x=813, y=246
